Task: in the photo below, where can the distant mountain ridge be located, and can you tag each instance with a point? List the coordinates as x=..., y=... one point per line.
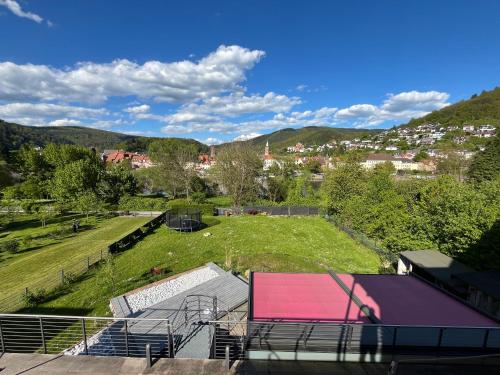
x=13, y=136
x=480, y=109
x=309, y=135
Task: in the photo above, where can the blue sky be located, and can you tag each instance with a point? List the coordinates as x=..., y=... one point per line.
x=223, y=70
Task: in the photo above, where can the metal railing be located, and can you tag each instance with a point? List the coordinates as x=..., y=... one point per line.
x=124, y=337
x=368, y=338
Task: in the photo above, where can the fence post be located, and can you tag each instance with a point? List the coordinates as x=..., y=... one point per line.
x=2, y=342
x=126, y=339
x=170, y=340
x=149, y=362
x=84, y=331
x=62, y=276
x=43, y=335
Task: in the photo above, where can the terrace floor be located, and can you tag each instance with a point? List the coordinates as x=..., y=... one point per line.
x=59, y=364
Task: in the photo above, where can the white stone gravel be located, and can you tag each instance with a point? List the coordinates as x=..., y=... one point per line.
x=160, y=292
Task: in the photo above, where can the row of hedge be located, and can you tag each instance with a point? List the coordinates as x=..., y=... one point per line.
x=132, y=238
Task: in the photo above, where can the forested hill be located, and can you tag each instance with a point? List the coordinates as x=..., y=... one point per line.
x=478, y=110
x=13, y=136
x=310, y=135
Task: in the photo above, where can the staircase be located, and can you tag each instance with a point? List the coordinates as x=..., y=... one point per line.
x=193, y=335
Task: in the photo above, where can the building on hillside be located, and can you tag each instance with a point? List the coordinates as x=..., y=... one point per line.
x=400, y=164
x=468, y=128
x=119, y=156
x=299, y=147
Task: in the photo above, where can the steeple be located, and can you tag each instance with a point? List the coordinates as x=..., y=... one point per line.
x=266, y=150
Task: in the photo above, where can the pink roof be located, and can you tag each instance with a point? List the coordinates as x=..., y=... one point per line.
x=394, y=299
x=408, y=301
x=302, y=297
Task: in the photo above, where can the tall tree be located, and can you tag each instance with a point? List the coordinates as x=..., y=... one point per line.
x=176, y=161
x=237, y=170
x=486, y=164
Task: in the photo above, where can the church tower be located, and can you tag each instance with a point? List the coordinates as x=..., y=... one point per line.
x=266, y=150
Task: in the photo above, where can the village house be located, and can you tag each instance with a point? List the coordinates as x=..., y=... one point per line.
x=119, y=156
x=400, y=164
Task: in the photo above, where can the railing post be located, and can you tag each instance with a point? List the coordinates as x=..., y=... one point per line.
x=171, y=353
x=2, y=342
x=226, y=358
x=214, y=343
x=214, y=301
x=440, y=339
x=486, y=336
x=43, y=335
x=149, y=361
x=84, y=331
x=126, y=338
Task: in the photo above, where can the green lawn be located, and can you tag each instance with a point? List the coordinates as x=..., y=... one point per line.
x=40, y=267
x=259, y=243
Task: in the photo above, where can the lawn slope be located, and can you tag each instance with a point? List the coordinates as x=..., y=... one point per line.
x=296, y=244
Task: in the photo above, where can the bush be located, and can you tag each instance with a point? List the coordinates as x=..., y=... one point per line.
x=206, y=208
x=143, y=203
x=32, y=299
x=198, y=197
x=11, y=246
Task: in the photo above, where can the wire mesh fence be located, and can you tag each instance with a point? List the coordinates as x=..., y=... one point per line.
x=387, y=257
x=270, y=210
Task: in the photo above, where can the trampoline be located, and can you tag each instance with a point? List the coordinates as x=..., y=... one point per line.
x=183, y=219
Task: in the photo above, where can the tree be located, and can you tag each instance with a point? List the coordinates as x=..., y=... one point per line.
x=5, y=175
x=176, y=161
x=74, y=178
x=341, y=184
x=116, y=182
x=454, y=165
x=44, y=213
x=88, y=202
x=237, y=170
x=485, y=165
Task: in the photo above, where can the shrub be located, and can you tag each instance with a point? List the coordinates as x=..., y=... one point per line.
x=32, y=299
x=11, y=246
x=198, y=197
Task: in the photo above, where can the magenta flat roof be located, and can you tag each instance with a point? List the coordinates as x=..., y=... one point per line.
x=302, y=297
x=406, y=300
x=394, y=299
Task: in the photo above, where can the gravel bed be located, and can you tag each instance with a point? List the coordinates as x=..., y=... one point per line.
x=160, y=292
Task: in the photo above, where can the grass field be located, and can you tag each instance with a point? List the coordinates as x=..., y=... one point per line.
x=248, y=242
x=32, y=268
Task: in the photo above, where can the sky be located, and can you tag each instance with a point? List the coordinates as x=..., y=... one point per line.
x=217, y=71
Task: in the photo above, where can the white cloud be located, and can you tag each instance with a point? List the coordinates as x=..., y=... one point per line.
x=212, y=141
x=65, y=122
x=416, y=101
x=301, y=88
x=138, y=109
x=398, y=107
x=181, y=82
x=246, y=137
x=15, y=8
x=232, y=105
x=42, y=110
x=357, y=110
